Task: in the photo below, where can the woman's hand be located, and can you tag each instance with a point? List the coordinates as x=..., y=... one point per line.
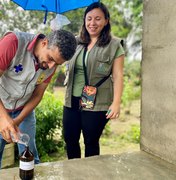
x=117, y=75
x=113, y=111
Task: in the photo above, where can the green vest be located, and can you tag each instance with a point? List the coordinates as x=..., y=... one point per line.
x=99, y=65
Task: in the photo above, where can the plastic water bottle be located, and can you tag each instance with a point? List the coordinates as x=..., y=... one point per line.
x=23, y=138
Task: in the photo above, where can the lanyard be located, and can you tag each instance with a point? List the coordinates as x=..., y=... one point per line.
x=84, y=66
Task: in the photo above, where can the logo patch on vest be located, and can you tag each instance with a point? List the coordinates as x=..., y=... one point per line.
x=40, y=78
x=18, y=68
x=101, y=68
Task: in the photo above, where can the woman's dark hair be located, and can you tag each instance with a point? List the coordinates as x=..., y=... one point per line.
x=105, y=35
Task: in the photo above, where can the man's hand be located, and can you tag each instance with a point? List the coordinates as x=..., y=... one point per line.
x=8, y=127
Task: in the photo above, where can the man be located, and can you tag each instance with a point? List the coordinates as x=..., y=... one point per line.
x=27, y=63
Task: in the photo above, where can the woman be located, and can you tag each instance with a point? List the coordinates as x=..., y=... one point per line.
x=99, y=57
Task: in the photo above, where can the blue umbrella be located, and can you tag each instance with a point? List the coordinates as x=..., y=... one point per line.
x=56, y=6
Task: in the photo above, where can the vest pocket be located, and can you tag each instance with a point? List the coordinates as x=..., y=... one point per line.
x=101, y=99
x=103, y=66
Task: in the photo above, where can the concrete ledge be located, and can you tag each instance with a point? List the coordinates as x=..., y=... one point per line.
x=126, y=166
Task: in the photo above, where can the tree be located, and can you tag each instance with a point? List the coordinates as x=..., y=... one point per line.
x=12, y=17
x=135, y=34
x=75, y=17
x=126, y=21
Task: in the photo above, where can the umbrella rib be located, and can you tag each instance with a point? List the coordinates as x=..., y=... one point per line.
x=57, y=6
x=46, y=12
x=26, y=3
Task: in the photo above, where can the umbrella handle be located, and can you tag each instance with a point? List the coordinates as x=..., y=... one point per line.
x=46, y=14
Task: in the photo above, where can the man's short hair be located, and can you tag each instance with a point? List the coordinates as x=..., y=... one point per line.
x=65, y=41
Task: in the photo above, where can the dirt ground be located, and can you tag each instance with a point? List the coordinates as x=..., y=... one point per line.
x=113, y=144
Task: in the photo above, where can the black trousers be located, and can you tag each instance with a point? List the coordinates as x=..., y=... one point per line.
x=90, y=123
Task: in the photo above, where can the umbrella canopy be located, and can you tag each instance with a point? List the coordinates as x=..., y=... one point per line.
x=56, y=6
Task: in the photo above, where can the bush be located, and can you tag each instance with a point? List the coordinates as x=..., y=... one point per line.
x=49, y=121
x=60, y=76
x=107, y=130
x=132, y=82
x=133, y=135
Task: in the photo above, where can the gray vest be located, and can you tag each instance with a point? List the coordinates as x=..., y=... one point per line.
x=20, y=79
x=99, y=65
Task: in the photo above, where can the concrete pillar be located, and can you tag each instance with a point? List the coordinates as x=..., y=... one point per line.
x=158, y=113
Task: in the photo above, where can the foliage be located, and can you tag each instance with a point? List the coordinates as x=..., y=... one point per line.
x=51, y=85
x=128, y=94
x=14, y=18
x=133, y=71
x=60, y=77
x=49, y=119
x=133, y=135
x=135, y=35
x=120, y=25
x=136, y=7
x=75, y=17
x=132, y=81
x=107, y=130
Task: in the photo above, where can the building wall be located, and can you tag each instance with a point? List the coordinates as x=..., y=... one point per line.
x=158, y=107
